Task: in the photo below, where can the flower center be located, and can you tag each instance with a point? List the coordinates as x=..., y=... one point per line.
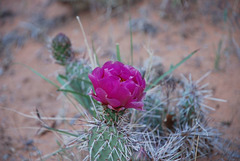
x=122, y=80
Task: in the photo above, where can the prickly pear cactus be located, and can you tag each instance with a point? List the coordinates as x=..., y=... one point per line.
x=76, y=75
x=106, y=141
x=62, y=49
x=174, y=121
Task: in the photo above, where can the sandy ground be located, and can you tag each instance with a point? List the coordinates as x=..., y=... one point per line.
x=23, y=91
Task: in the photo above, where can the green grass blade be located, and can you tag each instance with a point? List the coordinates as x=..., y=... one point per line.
x=49, y=81
x=219, y=46
x=60, y=150
x=40, y=75
x=172, y=68
x=73, y=92
x=63, y=82
x=83, y=99
x=58, y=143
x=95, y=54
x=218, y=53
x=131, y=39
x=118, y=53
x=225, y=14
x=60, y=131
x=62, y=76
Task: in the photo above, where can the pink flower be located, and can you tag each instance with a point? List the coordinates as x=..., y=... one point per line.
x=118, y=86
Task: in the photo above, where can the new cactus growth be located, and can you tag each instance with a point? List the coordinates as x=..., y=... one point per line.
x=62, y=49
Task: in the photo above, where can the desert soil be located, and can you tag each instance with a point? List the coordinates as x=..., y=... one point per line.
x=23, y=91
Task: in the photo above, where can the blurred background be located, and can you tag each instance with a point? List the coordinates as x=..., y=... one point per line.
x=171, y=29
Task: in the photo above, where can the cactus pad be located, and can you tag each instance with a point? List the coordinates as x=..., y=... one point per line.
x=107, y=143
x=77, y=76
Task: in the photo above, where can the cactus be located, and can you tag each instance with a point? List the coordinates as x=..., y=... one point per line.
x=76, y=71
x=172, y=128
x=191, y=104
x=156, y=111
x=77, y=77
x=62, y=49
x=106, y=141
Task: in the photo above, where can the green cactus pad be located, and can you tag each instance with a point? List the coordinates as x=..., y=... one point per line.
x=77, y=76
x=107, y=143
x=110, y=116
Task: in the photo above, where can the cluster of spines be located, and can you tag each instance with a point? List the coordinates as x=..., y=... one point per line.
x=182, y=120
x=191, y=104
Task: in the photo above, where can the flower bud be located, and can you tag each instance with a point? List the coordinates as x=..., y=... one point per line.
x=61, y=49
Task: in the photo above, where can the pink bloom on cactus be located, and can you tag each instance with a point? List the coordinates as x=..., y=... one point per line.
x=118, y=86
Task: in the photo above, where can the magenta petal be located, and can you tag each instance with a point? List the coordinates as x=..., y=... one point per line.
x=116, y=109
x=125, y=73
x=117, y=65
x=94, y=81
x=118, y=86
x=108, y=84
x=116, y=68
x=130, y=85
x=136, y=92
x=96, y=98
x=107, y=64
x=122, y=94
x=102, y=95
x=135, y=105
x=98, y=72
x=113, y=102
